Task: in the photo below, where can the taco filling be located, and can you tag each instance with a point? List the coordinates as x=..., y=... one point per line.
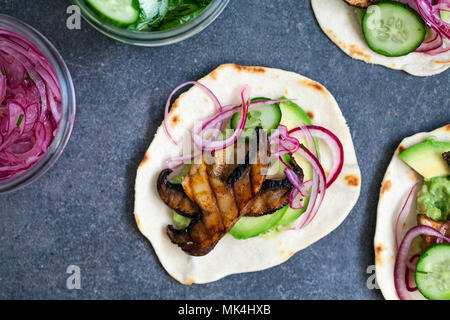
x=248, y=173
x=430, y=261
x=397, y=28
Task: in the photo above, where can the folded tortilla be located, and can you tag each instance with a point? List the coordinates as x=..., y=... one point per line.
x=397, y=182
x=339, y=22
x=230, y=255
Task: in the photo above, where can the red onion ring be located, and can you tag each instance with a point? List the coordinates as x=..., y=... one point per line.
x=431, y=44
x=411, y=269
x=402, y=256
x=201, y=128
x=295, y=200
x=216, y=145
x=429, y=14
x=228, y=111
x=317, y=191
x=333, y=143
x=401, y=218
x=167, y=107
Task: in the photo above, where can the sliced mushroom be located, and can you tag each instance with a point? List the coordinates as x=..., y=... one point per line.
x=175, y=197
x=273, y=195
x=441, y=226
x=362, y=3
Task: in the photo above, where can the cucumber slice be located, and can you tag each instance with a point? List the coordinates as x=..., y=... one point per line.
x=249, y=227
x=393, y=29
x=120, y=13
x=433, y=272
x=149, y=8
x=268, y=117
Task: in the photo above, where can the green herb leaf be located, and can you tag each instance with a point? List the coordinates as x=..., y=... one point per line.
x=19, y=121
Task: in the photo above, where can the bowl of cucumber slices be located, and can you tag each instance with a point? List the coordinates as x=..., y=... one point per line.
x=150, y=23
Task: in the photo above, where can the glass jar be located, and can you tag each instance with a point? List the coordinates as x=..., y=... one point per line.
x=68, y=104
x=154, y=38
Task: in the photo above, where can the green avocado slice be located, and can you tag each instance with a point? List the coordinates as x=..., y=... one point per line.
x=249, y=227
x=426, y=158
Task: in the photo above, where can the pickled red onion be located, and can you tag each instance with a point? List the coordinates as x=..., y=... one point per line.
x=30, y=104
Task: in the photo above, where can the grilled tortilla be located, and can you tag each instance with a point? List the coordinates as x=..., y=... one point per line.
x=397, y=183
x=230, y=255
x=339, y=22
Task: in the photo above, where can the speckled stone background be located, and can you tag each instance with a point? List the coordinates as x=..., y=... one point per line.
x=81, y=211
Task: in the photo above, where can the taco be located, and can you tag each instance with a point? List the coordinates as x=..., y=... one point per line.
x=409, y=35
x=412, y=252
x=266, y=148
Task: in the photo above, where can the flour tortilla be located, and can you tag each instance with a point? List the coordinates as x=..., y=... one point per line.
x=230, y=255
x=395, y=187
x=338, y=20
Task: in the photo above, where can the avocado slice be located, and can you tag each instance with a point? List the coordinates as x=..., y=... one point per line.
x=292, y=116
x=249, y=227
x=426, y=158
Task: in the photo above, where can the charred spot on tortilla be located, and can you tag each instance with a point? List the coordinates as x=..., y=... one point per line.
x=174, y=196
x=249, y=69
x=310, y=114
x=174, y=106
x=386, y=187
x=361, y=3
x=138, y=222
x=446, y=157
x=352, y=180
x=379, y=248
x=401, y=149
x=144, y=160
x=221, y=200
x=175, y=120
x=314, y=85
x=356, y=51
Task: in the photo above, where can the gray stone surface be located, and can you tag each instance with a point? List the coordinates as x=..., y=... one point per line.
x=81, y=211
